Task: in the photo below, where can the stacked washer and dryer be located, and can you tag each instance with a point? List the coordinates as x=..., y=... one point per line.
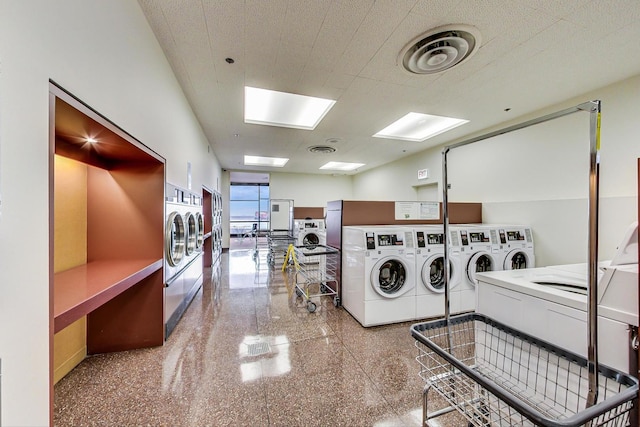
x=183, y=263
x=216, y=231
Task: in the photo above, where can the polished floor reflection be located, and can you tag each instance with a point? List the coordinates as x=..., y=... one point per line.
x=248, y=353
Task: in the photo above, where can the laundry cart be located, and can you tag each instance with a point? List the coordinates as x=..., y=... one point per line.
x=494, y=375
x=316, y=267
x=278, y=242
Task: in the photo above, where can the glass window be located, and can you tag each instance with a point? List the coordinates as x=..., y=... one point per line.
x=244, y=192
x=248, y=208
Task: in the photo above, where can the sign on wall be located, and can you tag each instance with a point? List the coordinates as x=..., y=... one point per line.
x=423, y=174
x=417, y=210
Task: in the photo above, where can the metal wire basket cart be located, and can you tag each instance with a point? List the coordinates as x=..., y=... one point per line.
x=317, y=273
x=496, y=376
x=278, y=242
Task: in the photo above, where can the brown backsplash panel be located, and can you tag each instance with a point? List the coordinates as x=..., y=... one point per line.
x=355, y=212
x=308, y=212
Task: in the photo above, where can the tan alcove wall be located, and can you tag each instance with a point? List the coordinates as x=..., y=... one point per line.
x=70, y=250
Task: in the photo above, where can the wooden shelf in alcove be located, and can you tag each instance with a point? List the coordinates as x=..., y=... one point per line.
x=81, y=290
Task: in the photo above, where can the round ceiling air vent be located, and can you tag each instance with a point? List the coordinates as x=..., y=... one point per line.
x=322, y=149
x=440, y=49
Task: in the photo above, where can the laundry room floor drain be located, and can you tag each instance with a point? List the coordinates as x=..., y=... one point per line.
x=258, y=348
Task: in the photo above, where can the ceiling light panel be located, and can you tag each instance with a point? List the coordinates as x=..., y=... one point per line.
x=276, y=162
x=418, y=127
x=271, y=108
x=341, y=166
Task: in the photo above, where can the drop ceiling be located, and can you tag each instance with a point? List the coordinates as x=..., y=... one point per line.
x=533, y=53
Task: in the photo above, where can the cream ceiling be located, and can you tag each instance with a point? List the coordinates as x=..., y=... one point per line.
x=533, y=53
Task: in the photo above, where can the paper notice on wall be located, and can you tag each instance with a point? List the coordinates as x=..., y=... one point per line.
x=417, y=210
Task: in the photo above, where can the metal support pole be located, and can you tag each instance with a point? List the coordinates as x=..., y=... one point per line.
x=592, y=294
x=594, y=108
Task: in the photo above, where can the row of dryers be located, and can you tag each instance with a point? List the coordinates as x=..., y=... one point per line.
x=216, y=229
x=396, y=273
x=184, y=238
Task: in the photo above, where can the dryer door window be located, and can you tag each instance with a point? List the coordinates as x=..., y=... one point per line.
x=516, y=260
x=311, y=240
x=200, y=235
x=433, y=274
x=192, y=234
x=389, y=278
x=479, y=263
x=174, y=239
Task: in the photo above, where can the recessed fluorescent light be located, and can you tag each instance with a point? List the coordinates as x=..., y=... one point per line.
x=271, y=108
x=418, y=127
x=341, y=166
x=276, y=162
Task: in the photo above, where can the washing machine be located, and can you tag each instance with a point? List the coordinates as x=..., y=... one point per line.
x=309, y=232
x=517, y=246
x=430, y=277
x=479, y=252
x=378, y=274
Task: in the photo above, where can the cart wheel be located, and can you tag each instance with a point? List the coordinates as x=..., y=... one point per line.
x=324, y=289
x=311, y=306
x=336, y=301
x=298, y=292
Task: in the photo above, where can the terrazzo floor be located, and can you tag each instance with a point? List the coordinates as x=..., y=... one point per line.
x=248, y=353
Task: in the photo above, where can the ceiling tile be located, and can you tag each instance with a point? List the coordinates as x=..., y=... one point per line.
x=534, y=53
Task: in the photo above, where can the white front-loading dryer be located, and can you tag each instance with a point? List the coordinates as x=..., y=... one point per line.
x=175, y=240
x=309, y=232
x=378, y=274
x=430, y=275
x=478, y=254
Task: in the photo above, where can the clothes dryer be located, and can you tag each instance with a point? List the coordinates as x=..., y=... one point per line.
x=430, y=277
x=183, y=263
x=478, y=254
x=378, y=274
x=309, y=232
x=175, y=240
x=194, y=226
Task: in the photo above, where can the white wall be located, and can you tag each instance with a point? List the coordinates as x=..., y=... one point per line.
x=106, y=55
x=308, y=190
x=538, y=175
x=398, y=181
